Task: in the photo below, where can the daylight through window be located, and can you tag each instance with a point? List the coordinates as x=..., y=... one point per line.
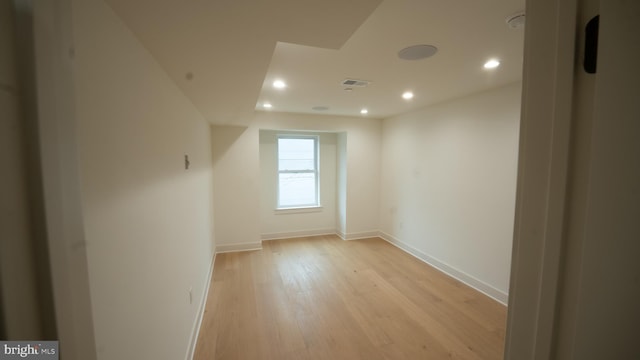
x=297, y=171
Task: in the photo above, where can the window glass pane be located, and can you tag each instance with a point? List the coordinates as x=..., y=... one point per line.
x=296, y=154
x=297, y=189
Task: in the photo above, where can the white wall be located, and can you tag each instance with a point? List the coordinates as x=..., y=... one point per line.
x=279, y=224
x=237, y=174
x=236, y=185
x=148, y=221
x=448, y=185
x=341, y=195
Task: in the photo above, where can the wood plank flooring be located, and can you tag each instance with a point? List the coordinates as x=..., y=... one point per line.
x=325, y=298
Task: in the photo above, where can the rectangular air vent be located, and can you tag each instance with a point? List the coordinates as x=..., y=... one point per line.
x=355, y=83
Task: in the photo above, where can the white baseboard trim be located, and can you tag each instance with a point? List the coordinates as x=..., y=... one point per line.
x=448, y=270
x=195, y=331
x=238, y=247
x=295, y=234
x=359, y=235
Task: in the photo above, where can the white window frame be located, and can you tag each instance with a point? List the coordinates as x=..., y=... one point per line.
x=316, y=171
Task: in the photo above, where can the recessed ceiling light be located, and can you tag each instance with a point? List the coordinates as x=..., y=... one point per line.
x=267, y=105
x=364, y=111
x=408, y=95
x=417, y=52
x=492, y=64
x=279, y=84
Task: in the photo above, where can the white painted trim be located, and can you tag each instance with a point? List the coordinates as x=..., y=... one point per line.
x=295, y=234
x=481, y=286
x=55, y=145
x=341, y=235
x=359, y=235
x=195, y=331
x=545, y=144
x=298, y=210
x=238, y=247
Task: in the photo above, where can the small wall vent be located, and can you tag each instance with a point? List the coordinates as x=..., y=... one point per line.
x=355, y=83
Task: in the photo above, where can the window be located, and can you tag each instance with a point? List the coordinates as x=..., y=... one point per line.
x=297, y=171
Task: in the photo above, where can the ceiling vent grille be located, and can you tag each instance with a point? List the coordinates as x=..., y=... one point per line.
x=355, y=83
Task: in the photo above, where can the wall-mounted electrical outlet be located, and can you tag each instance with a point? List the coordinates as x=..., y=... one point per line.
x=191, y=295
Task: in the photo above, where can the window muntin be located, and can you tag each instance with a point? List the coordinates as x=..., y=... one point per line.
x=297, y=171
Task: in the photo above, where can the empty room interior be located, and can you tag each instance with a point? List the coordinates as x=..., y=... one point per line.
x=180, y=137
x=279, y=179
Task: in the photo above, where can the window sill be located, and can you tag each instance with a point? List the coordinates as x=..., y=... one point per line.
x=298, y=210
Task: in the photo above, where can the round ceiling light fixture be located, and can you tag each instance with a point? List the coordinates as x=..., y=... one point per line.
x=516, y=21
x=417, y=52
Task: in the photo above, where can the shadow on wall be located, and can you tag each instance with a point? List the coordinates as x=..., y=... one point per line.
x=26, y=298
x=225, y=136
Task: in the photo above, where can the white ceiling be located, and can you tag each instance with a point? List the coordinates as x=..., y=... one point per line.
x=234, y=49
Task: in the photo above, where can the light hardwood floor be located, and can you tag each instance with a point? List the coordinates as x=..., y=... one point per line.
x=325, y=298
